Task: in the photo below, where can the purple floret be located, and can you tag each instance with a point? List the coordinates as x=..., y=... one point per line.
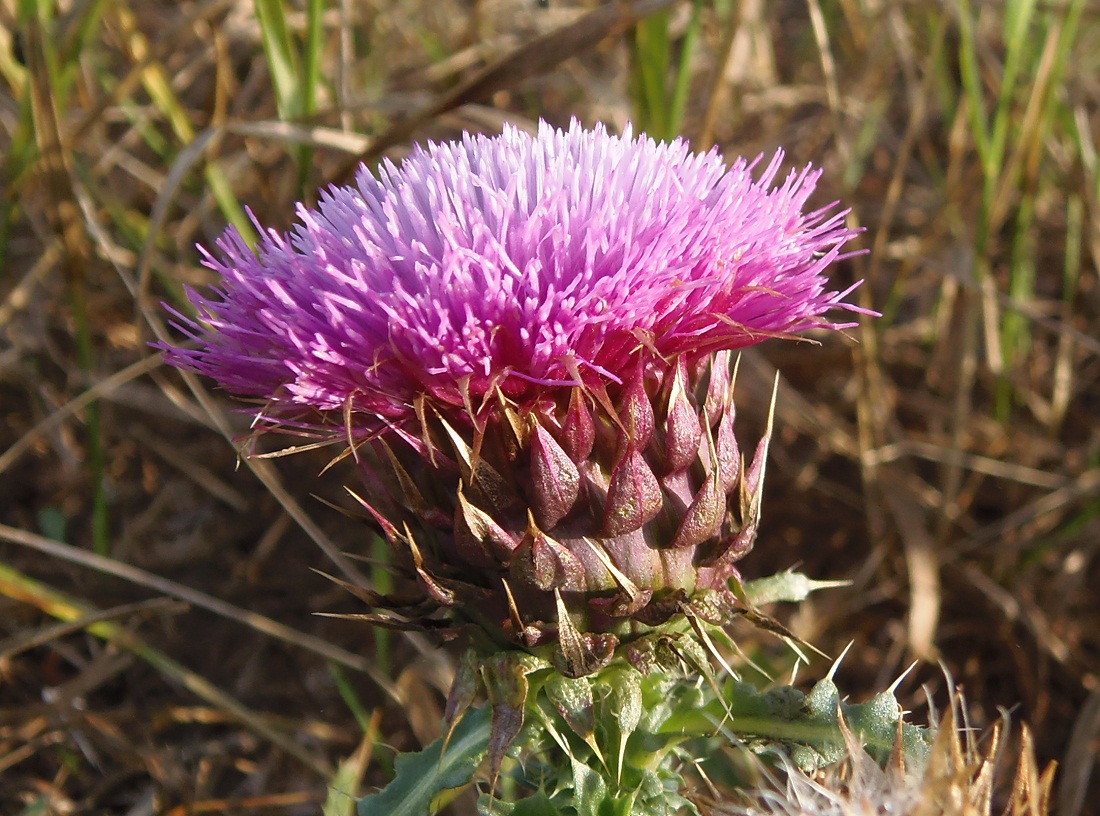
x=517, y=263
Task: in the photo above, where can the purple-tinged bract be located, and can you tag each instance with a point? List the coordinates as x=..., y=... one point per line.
x=512, y=264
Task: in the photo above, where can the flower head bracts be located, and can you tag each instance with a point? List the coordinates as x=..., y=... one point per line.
x=514, y=264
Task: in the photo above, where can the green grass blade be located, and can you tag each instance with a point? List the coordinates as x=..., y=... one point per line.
x=350, y=696
x=682, y=88
x=1015, y=335
x=295, y=76
x=281, y=57
x=313, y=53
x=73, y=47
x=1019, y=53
x=651, y=61
x=973, y=92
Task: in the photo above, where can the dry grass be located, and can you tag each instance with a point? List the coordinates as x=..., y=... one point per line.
x=947, y=460
x=960, y=778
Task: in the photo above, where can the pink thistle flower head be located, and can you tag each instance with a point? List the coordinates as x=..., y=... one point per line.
x=512, y=264
x=544, y=321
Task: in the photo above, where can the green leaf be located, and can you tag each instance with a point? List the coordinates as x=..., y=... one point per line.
x=657, y=796
x=589, y=790
x=537, y=805
x=422, y=775
x=660, y=700
x=572, y=697
x=625, y=701
x=349, y=774
x=624, y=704
x=489, y=805
x=785, y=586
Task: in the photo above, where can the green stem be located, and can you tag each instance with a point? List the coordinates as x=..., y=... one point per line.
x=703, y=723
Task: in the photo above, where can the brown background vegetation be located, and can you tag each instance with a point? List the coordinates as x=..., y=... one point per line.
x=945, y=458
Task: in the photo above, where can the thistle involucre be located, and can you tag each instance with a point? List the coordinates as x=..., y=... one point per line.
x=526, y=339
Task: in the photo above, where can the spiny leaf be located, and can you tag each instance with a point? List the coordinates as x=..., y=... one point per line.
x=589, y=790
x=422, y=775
x=785, y=586
x=572, y=697
x=461, y=696
x=506, y=684
x=625, y=706
x=537, y=805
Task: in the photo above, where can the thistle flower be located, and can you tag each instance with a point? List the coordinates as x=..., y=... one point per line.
x=525, y=340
